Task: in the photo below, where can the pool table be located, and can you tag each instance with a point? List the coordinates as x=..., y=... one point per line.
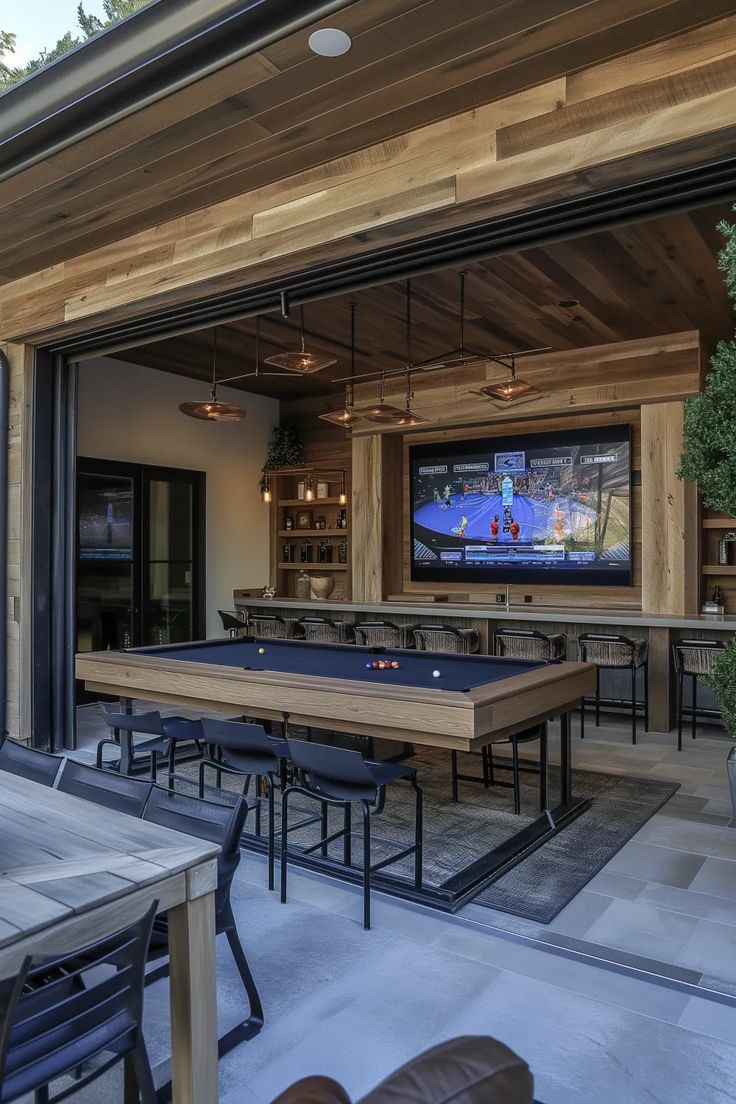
x=472, y=700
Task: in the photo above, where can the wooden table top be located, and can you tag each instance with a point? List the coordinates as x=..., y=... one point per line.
x=61, y=856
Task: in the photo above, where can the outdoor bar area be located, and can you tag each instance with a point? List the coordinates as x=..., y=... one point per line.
x=368, y=552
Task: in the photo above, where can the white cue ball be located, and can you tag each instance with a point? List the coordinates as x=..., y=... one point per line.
x=435, y=674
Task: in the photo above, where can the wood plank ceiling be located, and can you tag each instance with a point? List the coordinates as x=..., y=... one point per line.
x=640, y=280
x=284, y=110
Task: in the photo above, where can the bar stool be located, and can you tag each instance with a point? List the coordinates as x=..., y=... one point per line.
x=321, y=630
x=232, y=623
x=694, y=658
x=530, y=644
x=445, y=638
x=383, y=634
x=269, y=626
x=489, y=768
x=619, y=653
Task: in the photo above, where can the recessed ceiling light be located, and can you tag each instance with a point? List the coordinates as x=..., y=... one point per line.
x=330, y=42
x=568, y=304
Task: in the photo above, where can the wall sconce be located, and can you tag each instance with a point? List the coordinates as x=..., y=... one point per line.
x=309, y=489
x=343, y=496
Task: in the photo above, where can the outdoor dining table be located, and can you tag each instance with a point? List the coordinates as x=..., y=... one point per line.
x=72, y=872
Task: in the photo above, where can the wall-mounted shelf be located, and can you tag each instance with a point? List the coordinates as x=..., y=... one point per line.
x=312, y=532
x=719, y=523
x=719, y=569
x=308, y=504
x=313, y=567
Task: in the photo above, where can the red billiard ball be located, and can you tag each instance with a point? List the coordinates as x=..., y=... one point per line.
x=375, y=665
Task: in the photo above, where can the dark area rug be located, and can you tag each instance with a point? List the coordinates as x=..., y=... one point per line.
x=455, y=835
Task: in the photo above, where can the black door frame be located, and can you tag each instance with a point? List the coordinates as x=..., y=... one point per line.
x=55, y=457
x=140, y=474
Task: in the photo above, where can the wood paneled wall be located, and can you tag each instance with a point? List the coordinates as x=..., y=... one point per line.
x=649, y=112
x=17, y=615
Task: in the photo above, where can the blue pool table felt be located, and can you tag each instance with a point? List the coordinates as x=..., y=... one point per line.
x=457, y=672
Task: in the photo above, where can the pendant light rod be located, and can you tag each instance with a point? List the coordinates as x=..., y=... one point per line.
x=213, y=391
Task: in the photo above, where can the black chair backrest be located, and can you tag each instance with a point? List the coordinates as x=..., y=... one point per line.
x=605, y=638
x=36, y=766
x=438, y=628
x=58, y=1015
x=231, y=621
x=236, y=735
x=104, y=787
x=534, y=633
x=208, y=820
x=331, y=763
x=317, y=621
x=384, y=633
x=149, y=724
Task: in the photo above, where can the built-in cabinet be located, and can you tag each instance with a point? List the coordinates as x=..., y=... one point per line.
x=310, y=537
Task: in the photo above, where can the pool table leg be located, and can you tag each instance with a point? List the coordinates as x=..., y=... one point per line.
x=565, y=759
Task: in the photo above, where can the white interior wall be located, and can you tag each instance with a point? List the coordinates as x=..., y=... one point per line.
x=128, y=412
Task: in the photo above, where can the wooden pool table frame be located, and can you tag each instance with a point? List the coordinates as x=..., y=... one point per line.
x=459, y=720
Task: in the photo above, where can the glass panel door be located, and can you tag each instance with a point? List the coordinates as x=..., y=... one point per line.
x=169, y=601
x=106, y=571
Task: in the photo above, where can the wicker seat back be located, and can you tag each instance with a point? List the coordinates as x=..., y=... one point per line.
x=613, y=651
x=445, y=638
x=696, y=657
x=530, y=645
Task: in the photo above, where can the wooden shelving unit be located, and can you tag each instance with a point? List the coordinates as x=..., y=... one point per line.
x=714, y=574
x=284, y=574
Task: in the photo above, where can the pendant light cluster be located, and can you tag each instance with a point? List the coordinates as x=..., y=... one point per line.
x=302, y=361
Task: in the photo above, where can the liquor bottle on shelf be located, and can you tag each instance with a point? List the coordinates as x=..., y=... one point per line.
x=287, y=553
x=717, y=597
x=289, y=521
x=342, y=552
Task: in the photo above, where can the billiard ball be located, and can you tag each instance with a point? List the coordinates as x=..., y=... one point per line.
x=395, y=664
x=369, y=666
x=381, y=665
x=375, y=664
x=435, y=674
x=261, y=651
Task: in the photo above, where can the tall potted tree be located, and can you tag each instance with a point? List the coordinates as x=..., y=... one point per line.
x=709, y=458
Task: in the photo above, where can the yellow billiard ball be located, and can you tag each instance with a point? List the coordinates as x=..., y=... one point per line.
x=261, y=651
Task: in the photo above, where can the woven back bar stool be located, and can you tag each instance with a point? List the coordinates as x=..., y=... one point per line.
x=322, y=630
x=446, y=638
x=383, y=634
x=613, y=652
x=232, y=622
x=267, y=625
x=693, y=658
x=530, y=644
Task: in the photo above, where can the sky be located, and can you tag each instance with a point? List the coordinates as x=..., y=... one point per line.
x=40, y=23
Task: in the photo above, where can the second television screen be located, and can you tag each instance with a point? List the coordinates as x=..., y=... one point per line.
x=540, y=508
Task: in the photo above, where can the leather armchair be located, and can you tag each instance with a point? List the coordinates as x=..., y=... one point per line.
x=468, y=1070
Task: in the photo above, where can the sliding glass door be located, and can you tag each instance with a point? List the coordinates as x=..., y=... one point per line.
x=140, y=555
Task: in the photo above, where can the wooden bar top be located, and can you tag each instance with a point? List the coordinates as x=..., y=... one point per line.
x=435, y=611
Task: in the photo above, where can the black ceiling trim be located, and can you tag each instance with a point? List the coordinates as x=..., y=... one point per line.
x=566, y=218
x=148, y=56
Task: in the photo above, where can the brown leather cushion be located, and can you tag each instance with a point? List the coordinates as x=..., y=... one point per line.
x=468, y=1070
x=314, y=1090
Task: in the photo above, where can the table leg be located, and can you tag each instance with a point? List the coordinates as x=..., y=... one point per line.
x=193, y=1001
x=565, y=759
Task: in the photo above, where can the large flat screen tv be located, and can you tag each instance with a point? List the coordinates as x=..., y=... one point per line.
x=539, y=508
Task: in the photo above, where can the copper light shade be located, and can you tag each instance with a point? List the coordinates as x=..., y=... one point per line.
x=299, y=360
x=347, y=416
x=382, y=412
x=213, y=411
x=509, y=390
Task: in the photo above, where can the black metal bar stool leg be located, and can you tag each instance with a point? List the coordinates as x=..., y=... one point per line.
x=284, y=841
x=543, y=770
x=679, y=710
x=347, y=850
x=271, y=832
x=695, y=706
x=633, y=705
x=597, y=697
x=366, y=864
x=453, y=770
x=646, y=697
x=324, y=827
x=517, y=775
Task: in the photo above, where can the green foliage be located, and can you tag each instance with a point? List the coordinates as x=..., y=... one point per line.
x=709, y=447
x=723, y=684
x=89, y=25
x=286, y=449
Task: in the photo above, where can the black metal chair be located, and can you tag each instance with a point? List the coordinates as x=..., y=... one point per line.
x=339, y=777
x=36, y=766
x=530, y=644
x=112, y=791
x=221, y=824
x=693, y=658
x=232, y=623
x=322, y=630
x=613, y=652
x=383, y=634
x=269, y=626
x=56, y=1016
x=247, y=751
x=132, y=753
x=489, y=767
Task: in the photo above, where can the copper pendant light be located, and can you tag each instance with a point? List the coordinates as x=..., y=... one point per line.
x=511, y=389
x=299, y=360
x=213, y=411
x=347, y=416
x=383, y=413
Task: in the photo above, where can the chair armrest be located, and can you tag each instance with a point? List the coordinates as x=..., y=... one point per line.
x=468, y=1070
x=314, y=1090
